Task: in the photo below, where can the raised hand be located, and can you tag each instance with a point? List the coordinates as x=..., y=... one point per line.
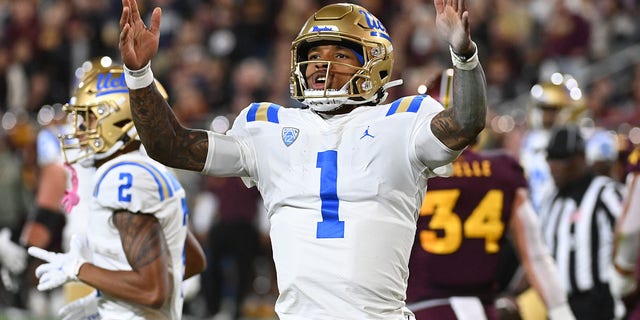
x=452, y=21
x=60, y=267
x=85, y=308
x=138, y=44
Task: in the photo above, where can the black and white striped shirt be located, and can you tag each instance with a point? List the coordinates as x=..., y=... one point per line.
x=578, y=224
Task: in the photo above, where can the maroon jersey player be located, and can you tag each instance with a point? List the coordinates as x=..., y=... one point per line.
x=461, y=230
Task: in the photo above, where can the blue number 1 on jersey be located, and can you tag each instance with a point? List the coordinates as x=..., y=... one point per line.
x=330, y=226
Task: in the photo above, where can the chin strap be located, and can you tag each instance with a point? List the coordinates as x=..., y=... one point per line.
x=388, y=85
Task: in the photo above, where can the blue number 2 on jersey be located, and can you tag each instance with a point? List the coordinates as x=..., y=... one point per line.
x=330, y=226
x=124, y=194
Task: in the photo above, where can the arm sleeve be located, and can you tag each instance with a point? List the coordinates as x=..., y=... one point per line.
x=541, y=269
x=232, y=154
x=628, y=226
x=225, y=156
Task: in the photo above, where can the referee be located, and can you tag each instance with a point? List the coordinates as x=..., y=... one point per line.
x=578, y=222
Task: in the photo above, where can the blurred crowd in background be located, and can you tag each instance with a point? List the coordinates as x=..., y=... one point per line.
x=218, y=56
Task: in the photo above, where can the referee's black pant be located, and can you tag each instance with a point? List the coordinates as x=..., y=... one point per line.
x=594, y=304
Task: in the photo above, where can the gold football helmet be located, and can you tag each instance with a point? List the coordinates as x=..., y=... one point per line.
x=561, y=98
x=99, y=111
x=351, y=26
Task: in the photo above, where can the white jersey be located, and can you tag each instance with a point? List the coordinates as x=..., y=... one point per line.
x=138, y=184
x=77, y=217
x=343, y=196
x=533, y=158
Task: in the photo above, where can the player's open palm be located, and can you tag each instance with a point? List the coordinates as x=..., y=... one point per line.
x=138, y=44
x=452, y=21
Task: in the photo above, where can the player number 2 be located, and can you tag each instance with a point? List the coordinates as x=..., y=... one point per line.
x=330, y=226
x=124, y=193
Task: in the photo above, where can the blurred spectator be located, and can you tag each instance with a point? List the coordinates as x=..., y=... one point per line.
x=17, y=76
x=16, y=198
x=599, y=102
x=250, y=80
x=415, y=37
x=232, y=244
x=565, y=41
x=630, y=108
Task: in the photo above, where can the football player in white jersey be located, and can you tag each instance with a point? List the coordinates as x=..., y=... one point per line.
x=135, y=200
x=342, y=179
x=555, y=102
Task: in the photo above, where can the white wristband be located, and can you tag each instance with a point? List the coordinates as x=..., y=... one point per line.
x=561, y=312
x=137, y=79
x=76, y=268
x=465, y=64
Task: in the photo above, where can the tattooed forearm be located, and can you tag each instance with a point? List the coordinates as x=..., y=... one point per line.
x=142, y=238
x=459, y=125
x=164, y=138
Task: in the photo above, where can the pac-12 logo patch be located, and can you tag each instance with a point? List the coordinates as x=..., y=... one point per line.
x=289, y=135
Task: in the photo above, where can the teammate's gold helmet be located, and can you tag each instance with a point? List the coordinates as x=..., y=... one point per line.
x=562, y=94
x=351, y=26
x=99, y=111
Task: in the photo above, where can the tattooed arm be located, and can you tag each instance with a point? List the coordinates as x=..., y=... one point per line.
x=164, y=138
x=149, y=282
x=459, y=125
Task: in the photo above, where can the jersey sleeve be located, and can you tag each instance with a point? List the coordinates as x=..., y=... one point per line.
x=134, y=186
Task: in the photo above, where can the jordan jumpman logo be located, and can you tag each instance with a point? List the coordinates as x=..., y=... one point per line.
x=366, y=133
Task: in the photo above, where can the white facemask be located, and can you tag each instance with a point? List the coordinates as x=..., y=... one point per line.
x=317, y=100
